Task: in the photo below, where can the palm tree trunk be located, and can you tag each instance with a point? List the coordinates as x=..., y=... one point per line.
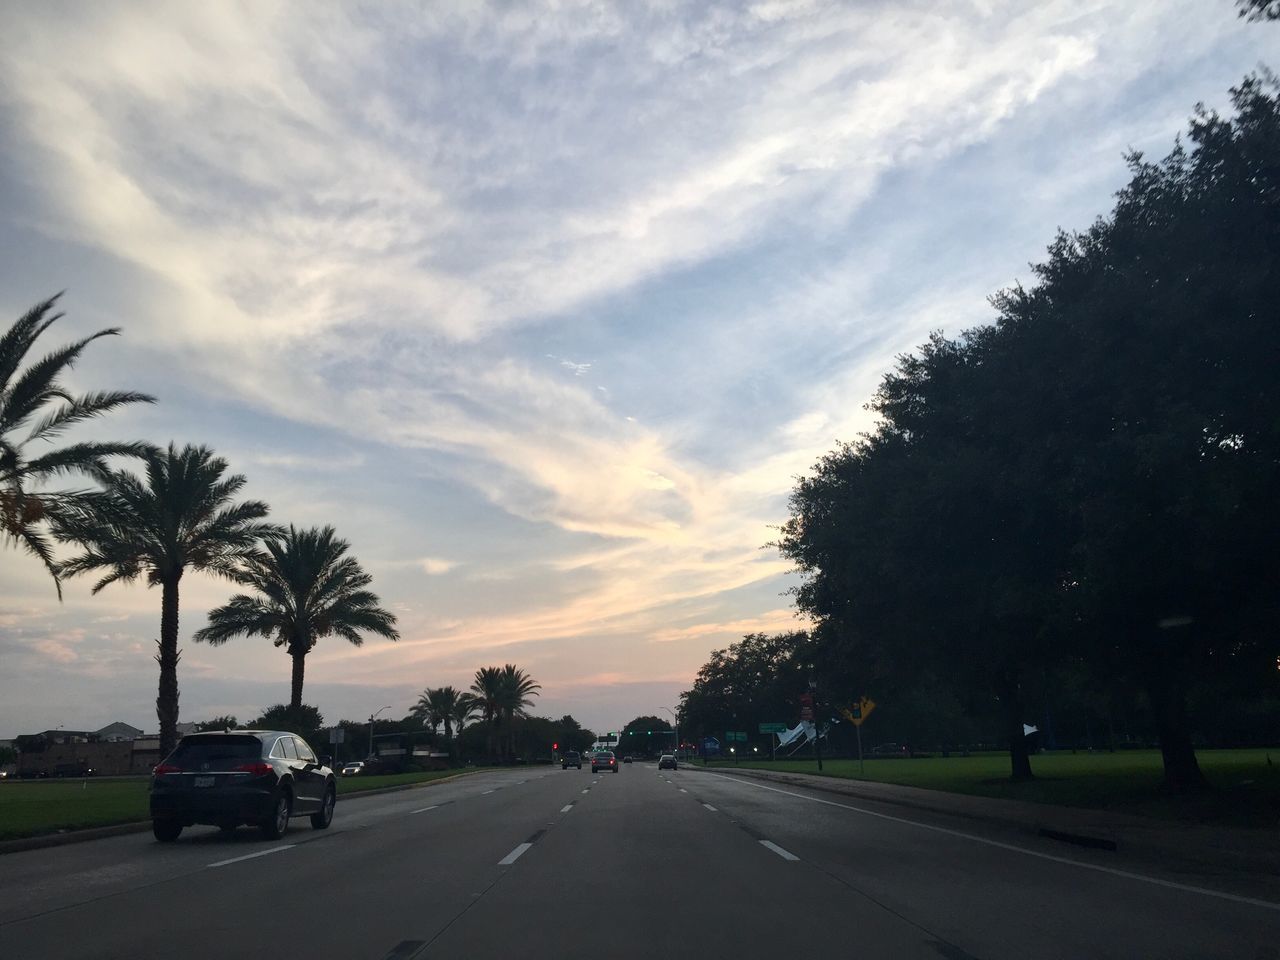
x=448, y=728
x=299, y=668
x=168, y=657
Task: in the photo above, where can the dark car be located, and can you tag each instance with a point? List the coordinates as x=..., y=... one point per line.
x=259, y=777
x=668, y=761
x=627, y=758
x=570, y=758
x=604, y=760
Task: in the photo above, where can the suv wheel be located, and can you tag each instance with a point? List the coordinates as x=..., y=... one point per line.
x=322, y=819
x=273, y=827
x=166, y=831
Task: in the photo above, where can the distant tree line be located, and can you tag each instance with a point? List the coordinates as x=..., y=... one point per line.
x=489, y=723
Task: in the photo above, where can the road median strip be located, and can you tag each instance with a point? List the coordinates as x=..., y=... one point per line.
x=61, y=837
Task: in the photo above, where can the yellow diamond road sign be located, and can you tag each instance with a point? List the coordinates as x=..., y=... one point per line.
x=859, y=711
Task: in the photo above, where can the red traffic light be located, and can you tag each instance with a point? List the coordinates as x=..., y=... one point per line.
x=555, y=746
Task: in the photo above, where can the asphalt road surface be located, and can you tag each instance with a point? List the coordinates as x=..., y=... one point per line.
x=544, y=863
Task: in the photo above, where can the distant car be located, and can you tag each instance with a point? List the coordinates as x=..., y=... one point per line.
x=353, y=769
x=627, y=758
x=891, y=750
x=667, y=761
x=570, y=758
x=259, y=777
x=604, y=760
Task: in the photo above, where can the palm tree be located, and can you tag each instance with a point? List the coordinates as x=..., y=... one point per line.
x=516, y=687
x=488, y=692
x=25, y=395
x=447, y=702
x=465, y=710
x=427, y=711
x=307, y=589
x=181, y=517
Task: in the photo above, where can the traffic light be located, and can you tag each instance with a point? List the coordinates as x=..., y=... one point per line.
x=555, y=746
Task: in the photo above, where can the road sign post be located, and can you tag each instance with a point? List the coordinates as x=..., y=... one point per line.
x=771, y=729
x=856, y=714
x=336, y=736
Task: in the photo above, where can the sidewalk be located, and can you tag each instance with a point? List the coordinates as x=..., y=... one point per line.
x=1187, y=846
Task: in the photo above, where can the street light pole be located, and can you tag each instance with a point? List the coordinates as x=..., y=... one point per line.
x=676, y=749
x=373, y=717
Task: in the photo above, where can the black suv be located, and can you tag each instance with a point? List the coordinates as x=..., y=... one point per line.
x=260, y=777
x=570, y=758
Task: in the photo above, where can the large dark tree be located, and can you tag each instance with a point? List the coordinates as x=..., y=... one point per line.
x=306, y=588
x=36, y=408
x=181, y=516
x=1093, y=477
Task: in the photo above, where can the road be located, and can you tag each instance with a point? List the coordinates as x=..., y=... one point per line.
x=543, y=863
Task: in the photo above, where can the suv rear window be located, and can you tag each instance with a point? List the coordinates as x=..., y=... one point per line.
x=216, y=752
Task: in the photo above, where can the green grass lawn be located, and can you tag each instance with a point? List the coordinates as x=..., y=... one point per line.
x=48, y=806
x=28, y=809
x=1246, y=788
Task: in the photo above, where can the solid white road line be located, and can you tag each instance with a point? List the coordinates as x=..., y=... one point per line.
x=566, y=808
x=425, y=809
x=784, y=854
x=1142, y=878
x=251, y=856
x=710, y=807
x=514, y=855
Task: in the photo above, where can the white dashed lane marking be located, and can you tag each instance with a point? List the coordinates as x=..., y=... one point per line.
x=784, y=854
x=425, y=809
x=514, y=855
x=710, y=807
x=254, y=856
x=566, y=808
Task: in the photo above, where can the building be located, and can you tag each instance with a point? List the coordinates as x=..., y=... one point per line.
x=118, y=731
x=116, y=750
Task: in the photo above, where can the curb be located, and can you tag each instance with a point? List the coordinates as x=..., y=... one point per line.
x=65, y=837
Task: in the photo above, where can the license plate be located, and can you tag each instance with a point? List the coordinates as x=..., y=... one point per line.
x=204, y=781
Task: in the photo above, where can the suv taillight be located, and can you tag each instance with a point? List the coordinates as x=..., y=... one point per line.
x=258, y=769
x=161, y=769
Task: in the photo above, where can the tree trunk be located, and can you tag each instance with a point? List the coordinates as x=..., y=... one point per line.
x=1181, y=769
x=448, y=729
x=1019, y=757
x=168, y=657
x=299, y=669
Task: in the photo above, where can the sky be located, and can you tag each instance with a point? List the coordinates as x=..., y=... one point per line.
x=543, y=307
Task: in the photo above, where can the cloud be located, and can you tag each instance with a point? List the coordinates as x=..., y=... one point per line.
x=434, y=566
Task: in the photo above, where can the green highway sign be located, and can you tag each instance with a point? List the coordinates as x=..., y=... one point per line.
x=773, y=728
x=736, y=735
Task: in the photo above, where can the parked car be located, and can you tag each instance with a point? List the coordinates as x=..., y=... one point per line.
x=353, y=769
x=891, y=750
x=604, y=760
x=668, y=762
x=570, y=758
x=259, y=777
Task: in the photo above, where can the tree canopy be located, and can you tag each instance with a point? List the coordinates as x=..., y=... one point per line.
x=1090, y=479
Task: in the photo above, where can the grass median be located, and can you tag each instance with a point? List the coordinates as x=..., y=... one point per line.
x=36, y=808
x=1246, y=783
